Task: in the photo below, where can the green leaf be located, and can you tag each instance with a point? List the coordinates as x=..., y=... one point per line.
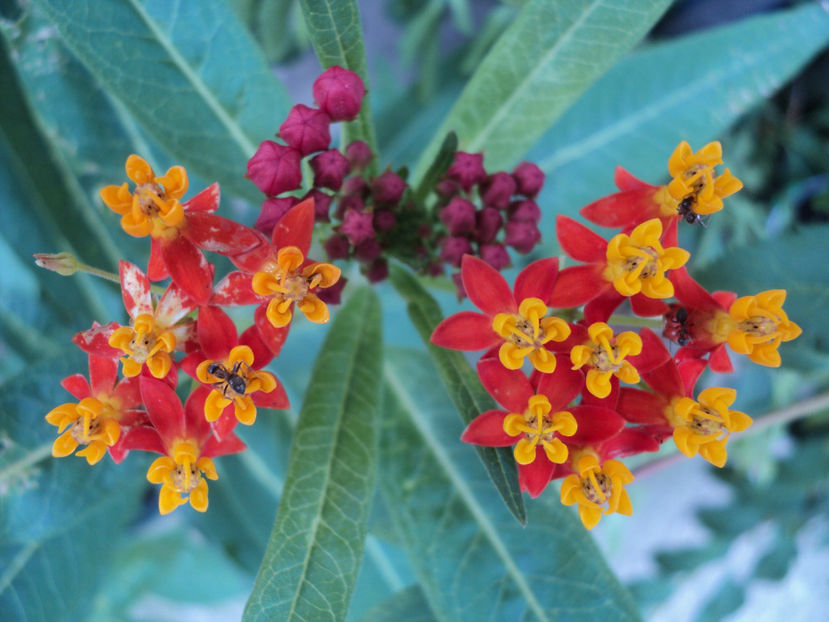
x=337, y=36
x=549, y=55
x=409, y=605
x=443, y=160
x=474, y=562
x=189, y=72
x=728, y=597
x=795, y=262
x=468, y=395
x=691, y=88
x=316, y=547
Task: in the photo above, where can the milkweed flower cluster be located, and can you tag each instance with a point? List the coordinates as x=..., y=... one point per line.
x=569, y=407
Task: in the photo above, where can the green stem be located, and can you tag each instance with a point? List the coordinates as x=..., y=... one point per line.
x=67, y=264
x=631, y=320
x=774, y=418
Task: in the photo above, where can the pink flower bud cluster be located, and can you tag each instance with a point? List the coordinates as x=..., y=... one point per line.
x=276, y=168
x=476, y=207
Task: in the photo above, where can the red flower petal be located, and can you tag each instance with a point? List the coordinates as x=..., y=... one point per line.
x=77, y=385
x=194, y=419
x=654, y=353
x=236, y=289
x=487, y=429
x=156, y=268
x=276, y=399
x=485, y=287
x=627, y=443
x=467, y=330
x=190, y=362
x=595, y=424
x=295, y=227
x=188, y=268
x=665, y=380
x=647, y=307
x=612, y=399
x=135, y=290
x=128, y=393
x=173, y=306
x=689, y=292
x=719, y=361
x=164, y=410
x=625, y=181
x=602, y=306
x=510, y=388
x=689, y=372
x=537, y=280
x=724, y=299
x=219, y=235
x=96, y=340
x=273, y=338
x=141, y=438
x=563, y=385
x=579, y=242
x=217, y=333
x=262, y=355
x=204, y=202
x=535, y=476
x=638, y=406
x=231, y=444
x=103, y=372
x=251, y=261
x=577, y=285
x=622, y=209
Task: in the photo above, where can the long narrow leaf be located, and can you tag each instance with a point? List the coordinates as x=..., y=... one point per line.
x=316, y=546
x=549, y=55
x=467, y=393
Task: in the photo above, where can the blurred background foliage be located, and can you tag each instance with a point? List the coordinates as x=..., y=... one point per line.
x=81, y=543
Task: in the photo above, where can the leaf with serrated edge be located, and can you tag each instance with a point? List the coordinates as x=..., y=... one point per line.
x=473, y=561
x=316, y=546
x=467, y=393
x=335, y=31
x=549, y=55
x=188, y=71
x=636, y=114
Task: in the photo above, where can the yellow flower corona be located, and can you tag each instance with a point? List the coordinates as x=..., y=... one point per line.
x=759, y=325
x=525, y=334
x=695, y=185
x=637, y=263
x=538, y=427
x=182, y=473
x=605, y=356
x=153, y=208
x=91, y=422
x=234, y=380
x=143, y=342
x=598, y=488
x=286, y=282
x=703, y=427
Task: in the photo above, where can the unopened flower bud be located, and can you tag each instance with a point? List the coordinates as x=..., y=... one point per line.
x=322, y=205
x=357, y=226
x=330, y=168
x=378, y=271
x=388, y=188
x=447, y=188
x=274, y=168
x=64, y=264
x=467, y=169
x=332, y=295
x=306, y=129
x=337, y=247
x=489, y=222
x=350, y=202
x=358, y=154
x=458, y=216
x=384, y=220
x=452, y=250
x=356, y=185
x=529, y=179
x=339, y=92
x=272, y=210
x=522, y=236
x=524, y=211
x=498, y=190
x=368, y=250
x=495, y=255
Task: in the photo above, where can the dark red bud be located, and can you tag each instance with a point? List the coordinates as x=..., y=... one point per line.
x=330, y=168
x=495, y=255
x=368, y=251
x=458, y=216
x=378, y=271
x=453, y=249
x=306, y=129
x=388, y=188
x=337, y=247
x=274, y=168
x=357, y=226
x=384, y=220
x=322, y=205
x=447, y=188
x=522, y=236
x=467, y=169
x=272, y=210
x=355, y=185
x=434, y=269
x=498, y=190
x=524, y=211
x=489, y=222
x=358, y=154
x=529, y=179
x=332, y=295
x=339, y=92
